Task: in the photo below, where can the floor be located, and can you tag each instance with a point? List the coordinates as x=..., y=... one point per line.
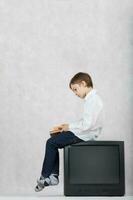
x=43, y=197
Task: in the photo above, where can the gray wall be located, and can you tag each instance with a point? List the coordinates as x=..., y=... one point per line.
x=42, y=45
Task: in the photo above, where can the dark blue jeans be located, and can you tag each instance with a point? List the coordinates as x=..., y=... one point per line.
x=55, y=142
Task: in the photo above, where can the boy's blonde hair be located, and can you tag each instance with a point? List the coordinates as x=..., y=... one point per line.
x=81, y=76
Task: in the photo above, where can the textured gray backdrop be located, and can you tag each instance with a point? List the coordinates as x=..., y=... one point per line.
x=43, y=43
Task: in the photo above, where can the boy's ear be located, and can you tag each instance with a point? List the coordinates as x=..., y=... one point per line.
x=83, y=83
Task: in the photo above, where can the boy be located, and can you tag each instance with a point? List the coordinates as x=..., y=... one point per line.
x=87, y=128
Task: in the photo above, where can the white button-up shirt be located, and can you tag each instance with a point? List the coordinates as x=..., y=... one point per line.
x=90, y=125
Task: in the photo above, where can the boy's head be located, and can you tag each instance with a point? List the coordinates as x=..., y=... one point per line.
x=81, y=84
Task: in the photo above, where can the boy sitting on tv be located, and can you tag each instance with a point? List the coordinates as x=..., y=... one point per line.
x=87, y=128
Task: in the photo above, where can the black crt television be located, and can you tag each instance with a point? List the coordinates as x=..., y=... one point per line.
x=94, y=168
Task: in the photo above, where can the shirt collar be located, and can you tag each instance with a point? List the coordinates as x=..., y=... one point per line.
x=90, y=94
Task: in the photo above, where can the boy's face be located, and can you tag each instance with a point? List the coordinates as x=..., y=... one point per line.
x=79, y=89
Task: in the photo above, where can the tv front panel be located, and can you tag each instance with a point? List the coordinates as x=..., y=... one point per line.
x=94, y=168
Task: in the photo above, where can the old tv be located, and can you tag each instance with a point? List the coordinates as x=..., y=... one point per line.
x=94, y=168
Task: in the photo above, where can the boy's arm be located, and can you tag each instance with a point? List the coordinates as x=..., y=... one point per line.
x=81, y=125
x=89, y=118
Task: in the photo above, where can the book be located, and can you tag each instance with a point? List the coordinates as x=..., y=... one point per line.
x=55, y=130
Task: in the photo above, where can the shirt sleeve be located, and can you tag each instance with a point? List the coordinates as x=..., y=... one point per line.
x=90, y=115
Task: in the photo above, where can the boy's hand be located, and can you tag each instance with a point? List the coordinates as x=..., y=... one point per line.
x=57, y=129
x=65, y=127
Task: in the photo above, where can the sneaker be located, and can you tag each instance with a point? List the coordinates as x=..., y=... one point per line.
x=38, y=188
x=54, y=180
x=41, y=178
x=42, y=183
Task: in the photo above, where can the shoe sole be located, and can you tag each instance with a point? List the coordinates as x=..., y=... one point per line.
x=38, y=190
x=40, y=183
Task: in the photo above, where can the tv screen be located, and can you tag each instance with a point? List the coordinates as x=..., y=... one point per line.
x=94, y=168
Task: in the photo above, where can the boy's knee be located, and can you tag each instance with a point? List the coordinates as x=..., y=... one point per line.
x=51, y=142
x=48, y=141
